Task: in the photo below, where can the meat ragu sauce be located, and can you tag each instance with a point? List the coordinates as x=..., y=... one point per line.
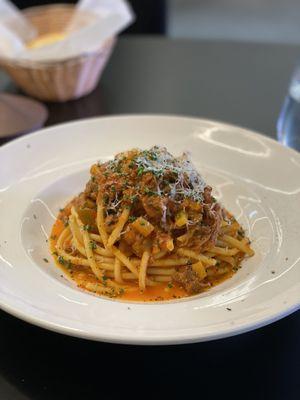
x=147, y=228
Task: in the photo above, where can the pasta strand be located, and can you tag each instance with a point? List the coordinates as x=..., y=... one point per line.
x=143, y=269
x=118, y=228
x=100, y=222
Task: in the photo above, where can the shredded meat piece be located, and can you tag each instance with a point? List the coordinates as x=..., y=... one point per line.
x=91, y=190
x=160, y=241
x=205, y=234
x=207, y=195
x=153, y=207
x=212, y=218
x=79, y=201
x=189, y=280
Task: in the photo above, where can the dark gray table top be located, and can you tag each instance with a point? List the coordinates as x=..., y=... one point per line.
x=240, y=83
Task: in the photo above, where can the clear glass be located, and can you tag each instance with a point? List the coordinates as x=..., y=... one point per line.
x=288, y=124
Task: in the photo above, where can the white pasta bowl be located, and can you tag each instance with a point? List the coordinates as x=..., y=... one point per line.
x=254, y=177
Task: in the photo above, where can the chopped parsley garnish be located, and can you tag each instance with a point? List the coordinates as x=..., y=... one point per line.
x=92, y=245
x=64, y=262
x=61, y=260
x=46, y=260
x=106, y=199
x=104, y=279
x=140, y=170
x=153, y=156
x=149, y=192
x=118, y=168
x=131, y=198
x=131, y=164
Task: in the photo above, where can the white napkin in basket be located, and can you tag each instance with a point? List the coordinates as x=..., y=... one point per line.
x=110, y=17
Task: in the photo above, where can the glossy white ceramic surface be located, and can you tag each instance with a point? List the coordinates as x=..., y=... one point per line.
x=254, y=177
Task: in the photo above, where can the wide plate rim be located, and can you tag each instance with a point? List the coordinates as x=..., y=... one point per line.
x=226, y=332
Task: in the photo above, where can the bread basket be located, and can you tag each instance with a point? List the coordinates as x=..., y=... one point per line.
x=58, y=80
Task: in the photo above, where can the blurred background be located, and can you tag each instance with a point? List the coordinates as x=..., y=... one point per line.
x=255, y=20
x=235, y=57
x=230, y=60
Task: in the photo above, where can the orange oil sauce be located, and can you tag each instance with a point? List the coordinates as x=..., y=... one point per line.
x=153, y=293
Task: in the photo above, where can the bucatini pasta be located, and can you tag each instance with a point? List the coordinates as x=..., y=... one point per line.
x=147, y=228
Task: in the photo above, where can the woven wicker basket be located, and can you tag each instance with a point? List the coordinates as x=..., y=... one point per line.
x=58, y=80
